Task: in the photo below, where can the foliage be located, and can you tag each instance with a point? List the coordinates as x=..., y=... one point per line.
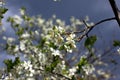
x=116, y=43
x=44, y=44
x=2, y=11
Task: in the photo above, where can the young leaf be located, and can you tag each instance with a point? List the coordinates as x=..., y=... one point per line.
x=10, y=64
x=3, y=10
x=89, y=42
x=116, y=43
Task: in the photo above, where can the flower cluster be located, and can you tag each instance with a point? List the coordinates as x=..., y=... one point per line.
x=44, y=45
x=26, y=68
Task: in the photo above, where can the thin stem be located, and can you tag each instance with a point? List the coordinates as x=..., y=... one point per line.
x=54, y=73
x=91, y=27
x=104, y=20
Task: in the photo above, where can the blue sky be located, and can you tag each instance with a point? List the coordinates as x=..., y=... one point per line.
x=95, y=9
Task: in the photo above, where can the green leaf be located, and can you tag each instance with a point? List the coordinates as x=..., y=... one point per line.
x=23, y=8
x=116, y=43
x=83, y=61
x=89, y=42
x=16, y=61
x=20, y=31
x=10, y=19
x=51, y=67
x=52, y=44
x=41, y=43
x=61, y=47
x=10, y=64
x=73, y=78
x=3, y=10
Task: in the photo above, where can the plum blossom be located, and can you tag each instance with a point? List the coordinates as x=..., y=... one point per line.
x=17, y=19
x=88, y=69
x=118, y=50
x=72, y=71
x=56, y=52
x=22, y=46
x=29, y=67
x=25, y=35
x=70, y=37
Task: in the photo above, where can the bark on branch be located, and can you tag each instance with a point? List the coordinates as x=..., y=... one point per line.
x=115, y=10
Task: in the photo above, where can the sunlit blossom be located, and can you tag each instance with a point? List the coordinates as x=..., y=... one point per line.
x=70, y=37
x=22, y=46
x=17, y=19
x=72, y=71
x=118, y=50
x=88, y=69
x=25, y=35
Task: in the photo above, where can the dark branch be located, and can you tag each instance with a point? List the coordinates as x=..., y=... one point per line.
x=91, y=27
x=54, y=73
x=108, y=19
x=115, y=10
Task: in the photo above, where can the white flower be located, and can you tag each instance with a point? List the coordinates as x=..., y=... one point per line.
x=42, y=58
x=118, y=50
x=88, y=69
x=22, y=11
x=25, y=35
x=58, y=20
x=22, y=46
x=27, y=64
x=40, y=21
x=17, y=19
x=16, y=48
x=70, y=37
x=10, y=39
x=2, y=3
x=4, y=37
x=69, y=50
x=61, y=30
x=28, y=67
x=36, y=32
x=56, y=52
x=72, y=71
x=63, y=65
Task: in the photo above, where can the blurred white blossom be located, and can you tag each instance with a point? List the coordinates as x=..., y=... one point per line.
x=25, y=35
x=72, y=71
x=118, y=50
x=70, y=37
x=88, y=69
x=17, y=19
x=22, y=46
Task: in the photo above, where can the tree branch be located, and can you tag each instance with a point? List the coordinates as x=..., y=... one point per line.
x=104, y=20
x=91, y=27
x=115, y=10
x=54, y=73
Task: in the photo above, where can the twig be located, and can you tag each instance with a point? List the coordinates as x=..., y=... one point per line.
x=54, y=73
x=90, y=28
x=108, y=19
x=103, y=54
